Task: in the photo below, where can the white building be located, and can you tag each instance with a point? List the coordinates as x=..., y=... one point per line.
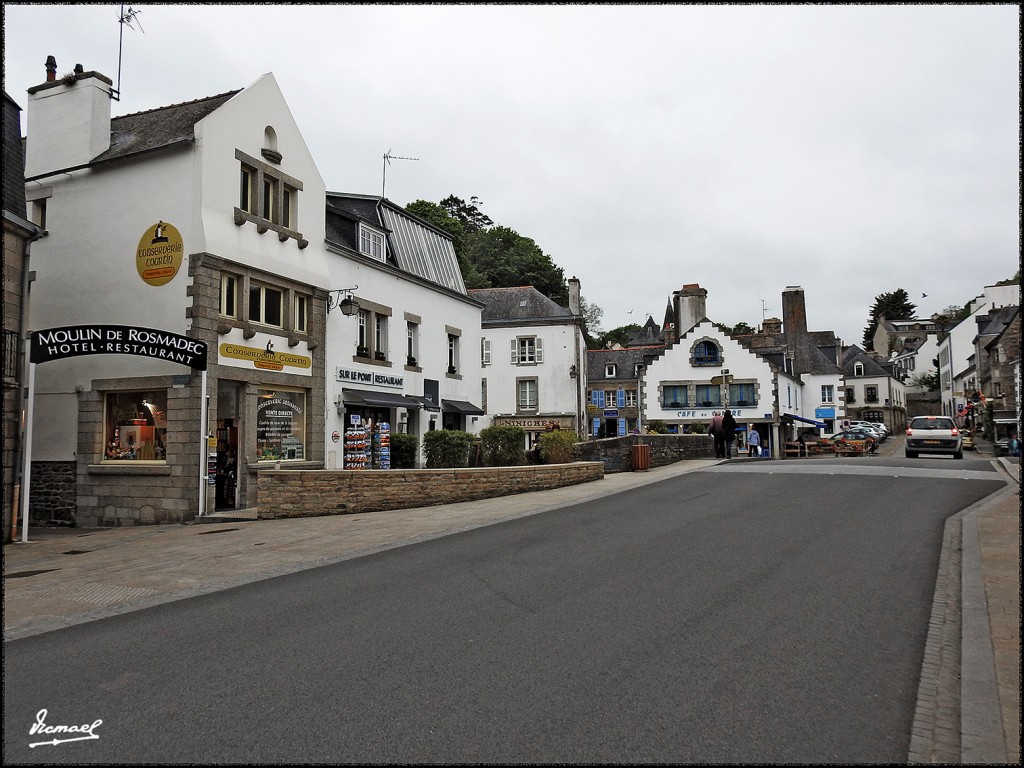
x=534, y=360
x=409, y=355
x=205, y=220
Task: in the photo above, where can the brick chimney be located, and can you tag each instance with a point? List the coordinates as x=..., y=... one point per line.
x=68, y=120
x=690, y=306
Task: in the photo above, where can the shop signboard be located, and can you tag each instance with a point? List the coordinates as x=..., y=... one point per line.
x=259, y=352
x=159, y=255
x=75, y=340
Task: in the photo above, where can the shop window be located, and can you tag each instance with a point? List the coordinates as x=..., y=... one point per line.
x=280, y=425
x=228, y=295
x=265, y=305
x=135, y=426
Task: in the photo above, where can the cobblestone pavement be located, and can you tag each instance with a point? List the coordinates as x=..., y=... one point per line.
x=969, y=698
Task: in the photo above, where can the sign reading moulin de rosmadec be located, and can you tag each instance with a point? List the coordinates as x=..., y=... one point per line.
x=74, y=340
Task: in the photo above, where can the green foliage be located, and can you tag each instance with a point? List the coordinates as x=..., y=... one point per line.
x=740, y=329
x=556, y=446
x=403, y=450
x=447, y=448
x=509, y=260
x=657, y=427
x=895, y=306
x=929, y=381
x=618, y=335
x=1015, y=280
x=502, y=446
x=468, y=214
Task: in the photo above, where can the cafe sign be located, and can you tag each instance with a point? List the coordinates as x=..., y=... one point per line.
x=159, y=255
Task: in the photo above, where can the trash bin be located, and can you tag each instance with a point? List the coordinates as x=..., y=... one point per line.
x=640, y=457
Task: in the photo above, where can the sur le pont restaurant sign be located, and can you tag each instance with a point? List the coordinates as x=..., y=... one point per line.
x=75, y=340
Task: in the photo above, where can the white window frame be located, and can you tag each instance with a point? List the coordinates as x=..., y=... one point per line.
x=609, y=370
x=372, y=243
x=527, y=350
x=827, y=393
x=529, y=388
x=485, y=351
x=229, y=295
x=300, y=315
x=380, y=336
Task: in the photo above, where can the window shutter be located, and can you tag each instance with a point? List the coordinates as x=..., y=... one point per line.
x=515, y=351
x=601, y=399
x=620, y=398
x=540, y=350
x=622, y=427
x=485, y=351
x=597, y=427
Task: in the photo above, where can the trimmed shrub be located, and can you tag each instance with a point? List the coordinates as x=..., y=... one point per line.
x=447, y=448
x=503, y=446
x=556, y=446
x=403, y=450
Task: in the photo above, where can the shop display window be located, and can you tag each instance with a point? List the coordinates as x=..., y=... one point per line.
x=280, y=426
x=135, y=426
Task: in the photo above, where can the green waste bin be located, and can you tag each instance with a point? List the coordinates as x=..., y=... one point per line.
x=640, y=457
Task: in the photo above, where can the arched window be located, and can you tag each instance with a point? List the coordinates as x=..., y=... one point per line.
x=706, y=352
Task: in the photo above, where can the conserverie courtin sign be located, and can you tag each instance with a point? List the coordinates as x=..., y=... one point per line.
x=74, y=340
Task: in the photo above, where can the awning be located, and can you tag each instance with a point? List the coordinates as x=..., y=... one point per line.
x=818, y=424
x=378, y=399
x=461, y=406
x=426, y=402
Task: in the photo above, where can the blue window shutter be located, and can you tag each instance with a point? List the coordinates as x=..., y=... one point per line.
x=597, y=426
x=600, y=398
x=620, y=398
x=622, y=427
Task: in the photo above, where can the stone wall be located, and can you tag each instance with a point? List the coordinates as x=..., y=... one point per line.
x=52, y=493
x=615, y=452
x=290, y=493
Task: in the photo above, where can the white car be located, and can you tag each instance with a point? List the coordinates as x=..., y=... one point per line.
x=933, y=434
x=867, y=426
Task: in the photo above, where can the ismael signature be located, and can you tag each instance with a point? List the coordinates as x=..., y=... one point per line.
x=40, y=726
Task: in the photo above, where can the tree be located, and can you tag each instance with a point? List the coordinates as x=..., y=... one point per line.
x=895, y=306
x=1015, y=280
x=469, y=214
x=740, y=329
x=618, y=335
x=507, y=259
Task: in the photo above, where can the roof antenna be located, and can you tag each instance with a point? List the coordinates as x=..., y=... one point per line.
x=126, y=17
x=388, y=157
x=764, y=311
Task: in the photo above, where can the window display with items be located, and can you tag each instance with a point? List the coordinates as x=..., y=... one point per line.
x=135, y=426
x=280, y=426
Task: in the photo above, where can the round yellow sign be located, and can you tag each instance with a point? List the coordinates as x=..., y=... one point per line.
x=160, y=253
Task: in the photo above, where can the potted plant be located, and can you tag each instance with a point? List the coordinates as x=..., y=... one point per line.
x=380, y=355
x=362, y=351
x=410, y=361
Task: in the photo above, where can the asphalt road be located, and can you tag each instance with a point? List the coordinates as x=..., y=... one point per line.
x=756, y=612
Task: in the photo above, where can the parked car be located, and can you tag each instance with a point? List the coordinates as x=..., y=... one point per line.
x=867, y=426
x=852, y=440
x=881, y=426
x=967, y=439
x=933, y=434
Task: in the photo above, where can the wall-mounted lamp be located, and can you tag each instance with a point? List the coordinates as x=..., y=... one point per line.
x=572, y=372
x=346, y=303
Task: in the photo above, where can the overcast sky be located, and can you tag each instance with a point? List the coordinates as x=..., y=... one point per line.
x=850, y=150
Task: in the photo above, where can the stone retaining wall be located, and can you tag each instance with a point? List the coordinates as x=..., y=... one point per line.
x=310, y=493
x=615, y=452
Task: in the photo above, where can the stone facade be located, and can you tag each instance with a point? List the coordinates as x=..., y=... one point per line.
x=53, y=493
x=287, y=493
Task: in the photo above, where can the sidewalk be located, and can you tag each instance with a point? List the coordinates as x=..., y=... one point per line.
x=63, y=577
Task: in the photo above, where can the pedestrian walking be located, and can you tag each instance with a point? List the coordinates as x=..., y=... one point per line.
x=728, y=432
x=753, y=441
x=718, y=433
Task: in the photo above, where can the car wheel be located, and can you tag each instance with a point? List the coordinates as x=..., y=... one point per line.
x=911, y=454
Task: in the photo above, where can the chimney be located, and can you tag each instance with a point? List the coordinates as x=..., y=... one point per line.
x=575, y=306
x=691, y=307
x=771, y=325
x=794, y=327
x=67, y=119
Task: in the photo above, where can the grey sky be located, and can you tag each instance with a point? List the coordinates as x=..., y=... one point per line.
x=851, y=150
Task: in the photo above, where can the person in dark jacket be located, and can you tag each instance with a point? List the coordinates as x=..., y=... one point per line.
x=729, y=432
x=716, y=431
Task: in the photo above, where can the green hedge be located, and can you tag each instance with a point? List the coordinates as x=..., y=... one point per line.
x=556, y=446
x=502, y=446
x=403, y=451
x=447, y=448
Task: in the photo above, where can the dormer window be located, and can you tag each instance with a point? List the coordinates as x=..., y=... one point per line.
x=371, y=243
x=858, y=369
x=609, y=371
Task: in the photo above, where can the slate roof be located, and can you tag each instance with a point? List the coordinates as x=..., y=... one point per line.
x=624, y=360
x=158, y=128
x=521, y=305
x=651, y=334
x=872, y=367
x=996, y=322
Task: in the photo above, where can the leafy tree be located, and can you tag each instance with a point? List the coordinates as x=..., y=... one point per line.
x=592, y=315
x=1015, y=280
x=740, y=329
x=895, y=306
x=469, y=214
x=618, y=335
x=507, y=259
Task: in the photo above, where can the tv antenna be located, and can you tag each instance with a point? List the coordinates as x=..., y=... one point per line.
x=764, y=311
x=388, y=157
x=129, y=17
